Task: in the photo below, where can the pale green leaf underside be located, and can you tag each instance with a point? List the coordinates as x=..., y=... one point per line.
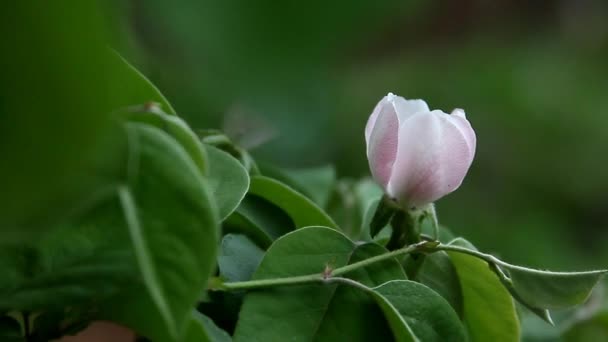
x=552, y=290
x=228, y=180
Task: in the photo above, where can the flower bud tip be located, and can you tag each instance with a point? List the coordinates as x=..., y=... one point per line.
x=459, y=112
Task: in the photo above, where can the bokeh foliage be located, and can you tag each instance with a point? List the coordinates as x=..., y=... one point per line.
x=532, y=78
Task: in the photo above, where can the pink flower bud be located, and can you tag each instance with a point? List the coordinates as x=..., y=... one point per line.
x=415, y=154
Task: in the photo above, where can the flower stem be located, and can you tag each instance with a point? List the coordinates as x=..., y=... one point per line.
x=419, y=249
x=404, y=230
x=321, y=277
x=363, y=263
x=255, y=284
x=384, y=212
x=349, y=282
x=483, y=256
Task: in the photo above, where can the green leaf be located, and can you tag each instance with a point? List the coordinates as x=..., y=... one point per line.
x=367, y=191
x=133, y=86
x=236, y=223
x=202, y=329
x=438, y=273
x=223, y=308
x=374, y=274
x=552, y=290
x=319, y=311
x=214, y=333
x=342, y=208
x=175, y=127
x=238, y=257
x=260, y=220
x=536, y=329
x=91, y=259
x=541, y=290
x=302, y=211
x=543, y=314
x=316, y=183
x=85, y=260
x=426, y=227
x=383, y=213
x=368, y=216
x=489, y=310
x=383, y=236
x=445, y=235
x=506, y=282
x=368, y=196
x=174, y=231
x=402, y=332
x=228, y=180
x=70, y=98
x=426, y=313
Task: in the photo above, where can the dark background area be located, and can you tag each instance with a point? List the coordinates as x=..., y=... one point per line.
x=532, y=77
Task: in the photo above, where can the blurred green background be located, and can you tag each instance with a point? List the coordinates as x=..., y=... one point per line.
x=532, y=77
x=300, y=79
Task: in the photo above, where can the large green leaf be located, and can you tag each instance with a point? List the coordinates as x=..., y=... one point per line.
x=228, y=180
x=302, y=210
x=489, y=310
x=59, y=111
x=438, y=273
x=426, y=313
x=173, y=227
x=238, y=257
x=552, y=290
x=402, y=332
x=326, y=312
x=79, y=262
x=92, y=257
